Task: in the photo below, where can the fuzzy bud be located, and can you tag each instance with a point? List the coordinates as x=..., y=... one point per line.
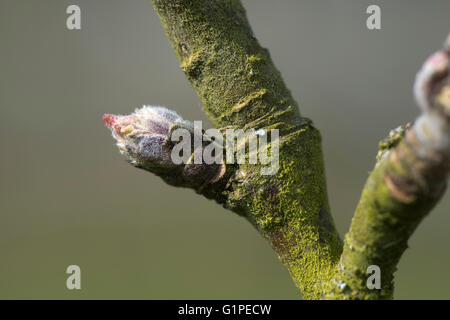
x=432, y=77
x=144, y=138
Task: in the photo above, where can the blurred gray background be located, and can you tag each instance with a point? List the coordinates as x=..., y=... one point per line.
x=68, y=197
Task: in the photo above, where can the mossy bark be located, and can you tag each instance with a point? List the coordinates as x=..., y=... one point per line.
x=239, y=86
x=400, y=192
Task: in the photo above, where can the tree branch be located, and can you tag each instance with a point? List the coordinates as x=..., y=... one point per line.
x=408, y=180
x=240, y=87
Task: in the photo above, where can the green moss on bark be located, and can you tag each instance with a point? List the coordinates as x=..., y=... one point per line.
x=392, y=205
x=232, y=74
x=239, y=86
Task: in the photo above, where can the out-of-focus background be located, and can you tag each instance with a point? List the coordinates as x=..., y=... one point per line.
x=68, y=197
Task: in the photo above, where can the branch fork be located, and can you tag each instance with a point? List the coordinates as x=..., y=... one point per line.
x=240, y=87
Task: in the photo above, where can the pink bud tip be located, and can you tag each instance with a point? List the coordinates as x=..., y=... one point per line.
x=109, y=120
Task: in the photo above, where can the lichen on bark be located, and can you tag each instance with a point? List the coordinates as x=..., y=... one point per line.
x=240, y=87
